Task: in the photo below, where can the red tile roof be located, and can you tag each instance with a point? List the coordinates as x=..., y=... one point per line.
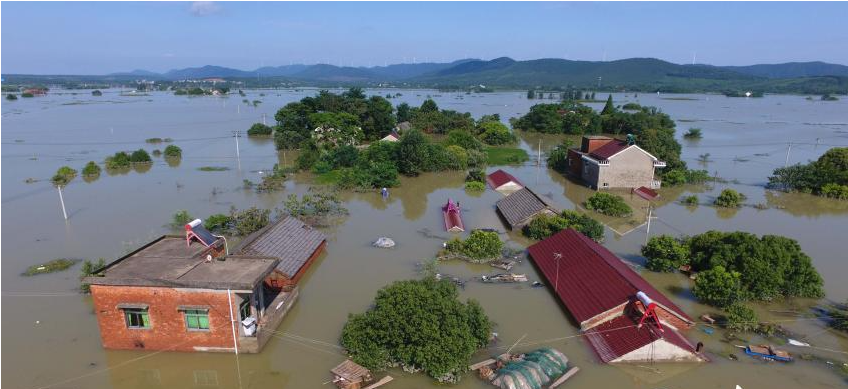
x=620, y=336
x=608, y=150
x=646, y=193
x=500, y=177
x=591, y=280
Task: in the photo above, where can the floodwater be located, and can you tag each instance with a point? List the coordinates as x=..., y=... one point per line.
x=50, y=336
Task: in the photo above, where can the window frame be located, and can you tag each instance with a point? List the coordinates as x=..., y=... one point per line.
x=245, y=304
x=142, y=314
x=198, y=315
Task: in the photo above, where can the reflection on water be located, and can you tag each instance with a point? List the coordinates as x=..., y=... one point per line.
x=122, y=210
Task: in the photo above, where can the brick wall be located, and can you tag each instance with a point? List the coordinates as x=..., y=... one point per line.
x=631, y=168
x=167, y=329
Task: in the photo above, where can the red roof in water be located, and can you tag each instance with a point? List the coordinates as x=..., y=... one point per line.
x=453, y=217
x=500, y=177
x=621, y=336
x=646, y=193
x=591, y=279
x=608, y=150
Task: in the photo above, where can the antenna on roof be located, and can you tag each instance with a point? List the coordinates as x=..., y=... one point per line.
x=557, y=257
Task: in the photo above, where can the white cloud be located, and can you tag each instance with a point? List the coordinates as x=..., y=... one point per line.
x=204, y=8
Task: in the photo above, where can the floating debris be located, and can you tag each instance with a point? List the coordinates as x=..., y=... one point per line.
x=505, y=265
x=50, y=267
x=504, y=278
x=384, y=242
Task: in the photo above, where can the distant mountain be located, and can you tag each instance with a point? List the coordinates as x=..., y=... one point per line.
x=138, y=73
x=280, y=71
x=792, y=69
x=207, y=71
x=324, y=72
x=410, y=70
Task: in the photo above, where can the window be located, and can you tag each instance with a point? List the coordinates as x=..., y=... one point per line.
x=244, y=309
x=197, y=319
x=137, y=318
x=606, y=185
x=205, y=378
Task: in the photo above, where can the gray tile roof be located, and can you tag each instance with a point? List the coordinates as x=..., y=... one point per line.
x=520, y=206
x=289, y=240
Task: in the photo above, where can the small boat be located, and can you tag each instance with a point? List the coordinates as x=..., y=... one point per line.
x=511, y=277
x=453, y=217
x=768, y=352
x=505, y=265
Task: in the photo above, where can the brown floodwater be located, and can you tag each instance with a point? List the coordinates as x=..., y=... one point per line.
x=50, y=336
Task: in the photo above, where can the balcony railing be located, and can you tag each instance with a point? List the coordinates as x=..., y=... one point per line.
x=659, y=164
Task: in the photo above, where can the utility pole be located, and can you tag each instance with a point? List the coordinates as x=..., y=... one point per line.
x=648, y=231
x=237, y=135
x=263, y=120
x=62, y=201
x=785, y=164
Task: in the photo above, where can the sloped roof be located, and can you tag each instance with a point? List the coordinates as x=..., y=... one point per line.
x=289, y=240
x=350, y=371
x=608, y=150
x=591, y=280
x=620, y=336
x=521, y=205
x=500, y=177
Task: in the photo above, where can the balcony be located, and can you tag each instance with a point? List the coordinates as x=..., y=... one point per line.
x=656, y=184
x=275, y=310
x=659, y=164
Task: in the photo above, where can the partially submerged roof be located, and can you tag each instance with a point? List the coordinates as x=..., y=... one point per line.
x=499, y=178
x=521, y=205
x=169, y=262
x=350, y=371
x=289, y=240
x=590, y=279
x=621, y=336
x=646, y=193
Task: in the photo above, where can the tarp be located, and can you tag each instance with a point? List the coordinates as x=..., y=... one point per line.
x=535, y=370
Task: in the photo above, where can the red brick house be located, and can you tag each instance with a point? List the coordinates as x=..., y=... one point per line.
x=605, y=163
x=602, y=293
x=184, y=294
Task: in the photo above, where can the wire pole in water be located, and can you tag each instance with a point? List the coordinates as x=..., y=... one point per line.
x=62, y=201
x=237, y=135
x=263, y=120
x=785, y=164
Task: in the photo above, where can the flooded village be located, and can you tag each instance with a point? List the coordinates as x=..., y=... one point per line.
x=282, y=295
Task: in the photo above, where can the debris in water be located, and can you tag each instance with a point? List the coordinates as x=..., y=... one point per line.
x=798, y=343
x=384, y=242
x=50, y=267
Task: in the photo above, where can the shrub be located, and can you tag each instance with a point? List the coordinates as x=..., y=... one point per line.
x=91, y=169
x=475, y=186
x=249, y=220
x=458, y=157
x=495, y=133
x=418, y=324
x=729, y=198
x=181, y=218
x=173, y=151
x=217, y=222
x=480, y=245
x=608, y=204
x=259, y=129
x=665, y=253
x=64, y=175
x=690, y=200
x=740, y=318
x=27, y=94
x=544, y=226
x=140, y=156
x=11, y=97
x=558, y=157
x=272, y=181
x=478, y=175
x=87, y=270
x=120, y=160
x=463, y=139
x=719, y=287
x=693, y=133
x=315, y=204
x=835, y=191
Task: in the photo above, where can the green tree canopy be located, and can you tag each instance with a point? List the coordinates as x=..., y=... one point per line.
x=609, y=108
x=428, y=106
x=404, y=113
x=64, y=175
x=421, y=324
x=259, y=129
x=544, y=226
x=665, y=253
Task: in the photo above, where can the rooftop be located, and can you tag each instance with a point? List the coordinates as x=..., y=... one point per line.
x=169, y=262
x=289, y=240
x=608, y=150
x=500, y=177
x=521, y=205
x=621, y=336
x=590, y=279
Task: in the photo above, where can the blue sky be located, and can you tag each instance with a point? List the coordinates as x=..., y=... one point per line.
x=104, y=37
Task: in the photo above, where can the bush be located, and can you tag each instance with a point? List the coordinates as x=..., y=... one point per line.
x=120, y=160
x=217, y=222
x=475, y=186
x=729, y=198
x=740, y=318
x=835, y=191
x=458, y=157
x=463, y=139
x=495, y=133
x=259, y=129
x=693, y=133
x=27, y=94
x=249, y=220
x=480, y=245
x=272, y=181
x=372, y=175
x=558, y=157
x=64, y=175
x=665, y=253
x=140, y=156
x=544, y=226
x=719, y=287
x=684, y=176
x=478, y=175
x=608, y=204
x=87, y=270
x=690, y=200
x=11, y=97
x=418, y=324
x=91, y=169
x=181, y=218
x=173, y=151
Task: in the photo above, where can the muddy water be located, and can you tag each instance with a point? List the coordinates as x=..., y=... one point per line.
x=50, y=334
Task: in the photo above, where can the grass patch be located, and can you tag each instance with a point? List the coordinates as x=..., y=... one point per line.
x=50, y=267
x=329, y=178
x=506, y=156
x=213, y=168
